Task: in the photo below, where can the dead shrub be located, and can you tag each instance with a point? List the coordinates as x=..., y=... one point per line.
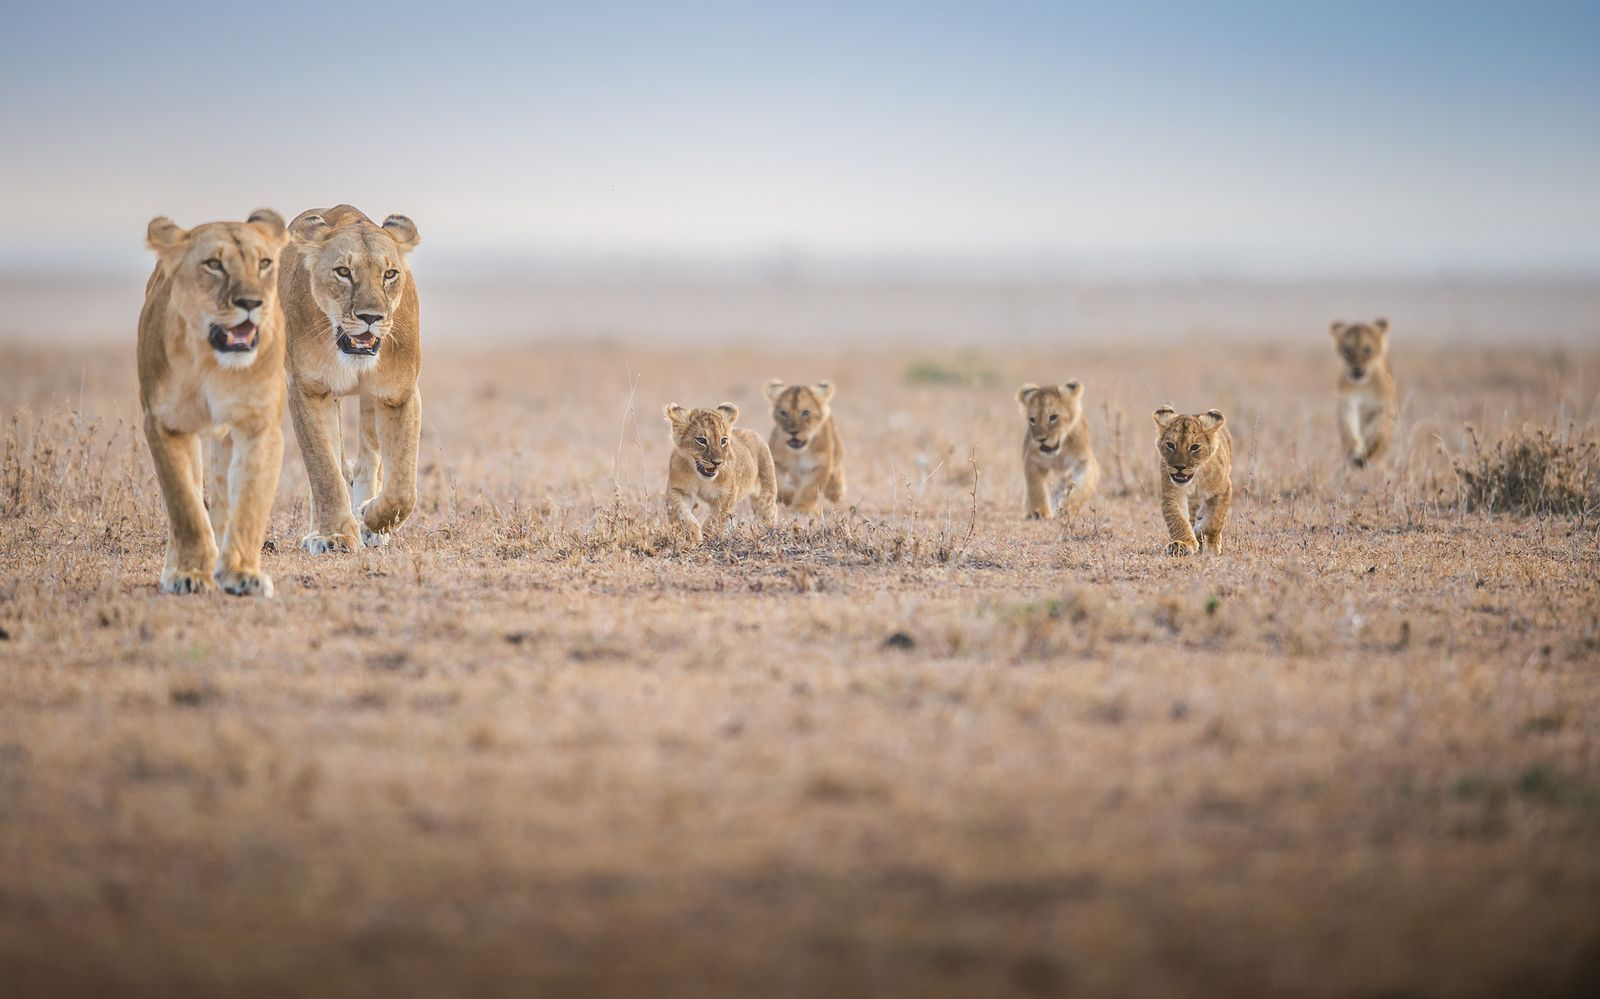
x=1531, y=472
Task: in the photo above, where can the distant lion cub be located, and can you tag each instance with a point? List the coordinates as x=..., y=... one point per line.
x=805, y=446
x=718, y=463
x=1196, y=479
x=1057, y=440
x=1367, y=400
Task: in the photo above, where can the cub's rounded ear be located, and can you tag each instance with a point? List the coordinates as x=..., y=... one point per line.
x=1072, y=389
x=404, y=232
x=824, y=390
x=309, y=227
x=729, y=412
x=675, y=414
x=1164, y=416
x=1025, y=393
x=773, y=389
x=270, y=224
x=164, y=234
x=1336, y=329
x=1381, y=325
x=1211, y=419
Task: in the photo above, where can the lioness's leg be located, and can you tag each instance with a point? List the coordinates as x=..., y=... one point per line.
x=399, y=430
x=367, y=475
x=219, y=454
x=190, y=546
x=333, y=528
x=1175, y=511
x=1036, y=480
x=680, y=511
x=252, y=485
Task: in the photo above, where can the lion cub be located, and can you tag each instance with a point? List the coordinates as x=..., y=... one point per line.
x=1057, y=440
x=805, y=446
x=211, y=364
x=1196, y=479
x=1367, y=399
x=718, y=463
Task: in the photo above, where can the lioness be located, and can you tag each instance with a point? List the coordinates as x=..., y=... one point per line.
x=1056, y=440
x=714, y=461
x=211, y=361
x=1367, y=400
x=1196, y=469
x=353, y=329
x=805, y=445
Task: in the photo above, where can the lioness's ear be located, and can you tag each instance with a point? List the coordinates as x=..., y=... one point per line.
x=774, y=388
x=164, y=234
x=1336, y=329
x=1382, y=326
x=824, y=390
x=675, y=414
x=729, y=412
x=404, y=232
x=1025, y=393
x=310, y=228
x=1211, y=419
x=1164, y=416
x=270, y=224
x=1072, y=389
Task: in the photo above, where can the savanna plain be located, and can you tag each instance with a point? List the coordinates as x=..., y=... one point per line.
x=916, y=746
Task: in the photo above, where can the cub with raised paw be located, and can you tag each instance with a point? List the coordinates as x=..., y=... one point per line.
x=719, y=464
x=1196, y=479
x=805, y=445
x=1368, y=402
x=1056, y=441
x=211, y=364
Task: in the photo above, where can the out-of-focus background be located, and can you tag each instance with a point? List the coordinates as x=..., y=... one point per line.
x=1053, y=173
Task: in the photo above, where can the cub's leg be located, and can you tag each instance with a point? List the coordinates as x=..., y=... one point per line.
x=721, y=510
x=252, y=485
x=1175, y=511
x=219, y=452
x=808, y=497
x=191, y=548
x=834, y=489
x=1376, y=427
x=680, y=511
x=786, y=488
x=366, y=476
x=316, y=427
x=1216, y=518
x=764, y=500
x=1084, y=481
x=1037, y=480
x=1350, y=432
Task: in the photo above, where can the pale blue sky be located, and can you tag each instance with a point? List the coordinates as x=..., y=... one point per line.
x=1298, y=138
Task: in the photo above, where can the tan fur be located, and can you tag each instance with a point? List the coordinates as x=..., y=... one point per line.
x=1199, y=448
x=188, y=389
x=805, y=445
x=1056, y=440
x=340, y=267
x=1368, y=403
x=741, y=467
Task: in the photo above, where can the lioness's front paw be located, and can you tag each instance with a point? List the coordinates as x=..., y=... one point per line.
x=369, y=537
x=321, y=544
x=185, y=581
x=1183, y=548
x=241, y=583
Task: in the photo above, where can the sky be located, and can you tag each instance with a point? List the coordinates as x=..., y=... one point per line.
x=1303, y=139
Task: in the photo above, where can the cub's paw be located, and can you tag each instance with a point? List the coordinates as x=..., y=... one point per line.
x=1358, y=461
x=241, y=583
x=1037, y=515
x=1183, y=549
x=185, y=581
x=321, y=544
x=369, y=537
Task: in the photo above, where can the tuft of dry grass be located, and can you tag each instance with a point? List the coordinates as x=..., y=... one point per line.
x=1532, y=471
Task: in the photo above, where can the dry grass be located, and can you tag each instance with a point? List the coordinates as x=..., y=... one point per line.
x=915, y=747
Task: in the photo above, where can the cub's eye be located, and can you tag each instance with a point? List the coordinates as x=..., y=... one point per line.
x=390, y=274
x=724, y=442
x=266, y=262
x=700, y=441
x=805, y=414
x=343, y=272
x=1033, y=419
x=783, y=414
x=1194, y=447
x=1171, y=446
x=213, y=265
x=1054, y=417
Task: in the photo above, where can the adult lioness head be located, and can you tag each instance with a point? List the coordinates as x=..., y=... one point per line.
x=358, y=275
x=224, y=279
x=702, y=435
x=1186, y=442
x=1360, y=345
x=799, y=410
x=1053, y=411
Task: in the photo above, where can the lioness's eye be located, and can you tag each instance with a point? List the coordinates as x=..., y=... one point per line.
x=265, y=263
x=213, y=265
x=343, y=272
x=391, y=274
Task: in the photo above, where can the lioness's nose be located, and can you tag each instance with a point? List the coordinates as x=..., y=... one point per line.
x=370, y=317
x=247, y=304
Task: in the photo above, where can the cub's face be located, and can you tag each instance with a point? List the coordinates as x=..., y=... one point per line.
x=1186, y=442
x=358, y=275
x=1052, y=412
x=704, y=436
x=224, y=279
x=799, y=410
x=1360, y=345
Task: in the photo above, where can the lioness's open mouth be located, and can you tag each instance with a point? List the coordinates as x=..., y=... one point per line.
x=360, y=344
x=1180, y=478
x=1049, y=448
x=709, y=473
x=237, y=340
x=796, y=443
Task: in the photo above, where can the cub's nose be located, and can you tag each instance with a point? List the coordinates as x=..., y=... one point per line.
x=247, y=304
x=370, y=317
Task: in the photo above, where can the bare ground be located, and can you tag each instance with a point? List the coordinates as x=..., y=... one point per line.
x=918, y=747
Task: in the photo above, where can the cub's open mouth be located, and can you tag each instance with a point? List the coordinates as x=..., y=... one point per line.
x=709, y=473
x=796, y=443
x=237, y=340
x=1180, y=478
x=360, y=344
x=1049, y=448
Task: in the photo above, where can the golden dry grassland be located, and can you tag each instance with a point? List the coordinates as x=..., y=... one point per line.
x=916, y=747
